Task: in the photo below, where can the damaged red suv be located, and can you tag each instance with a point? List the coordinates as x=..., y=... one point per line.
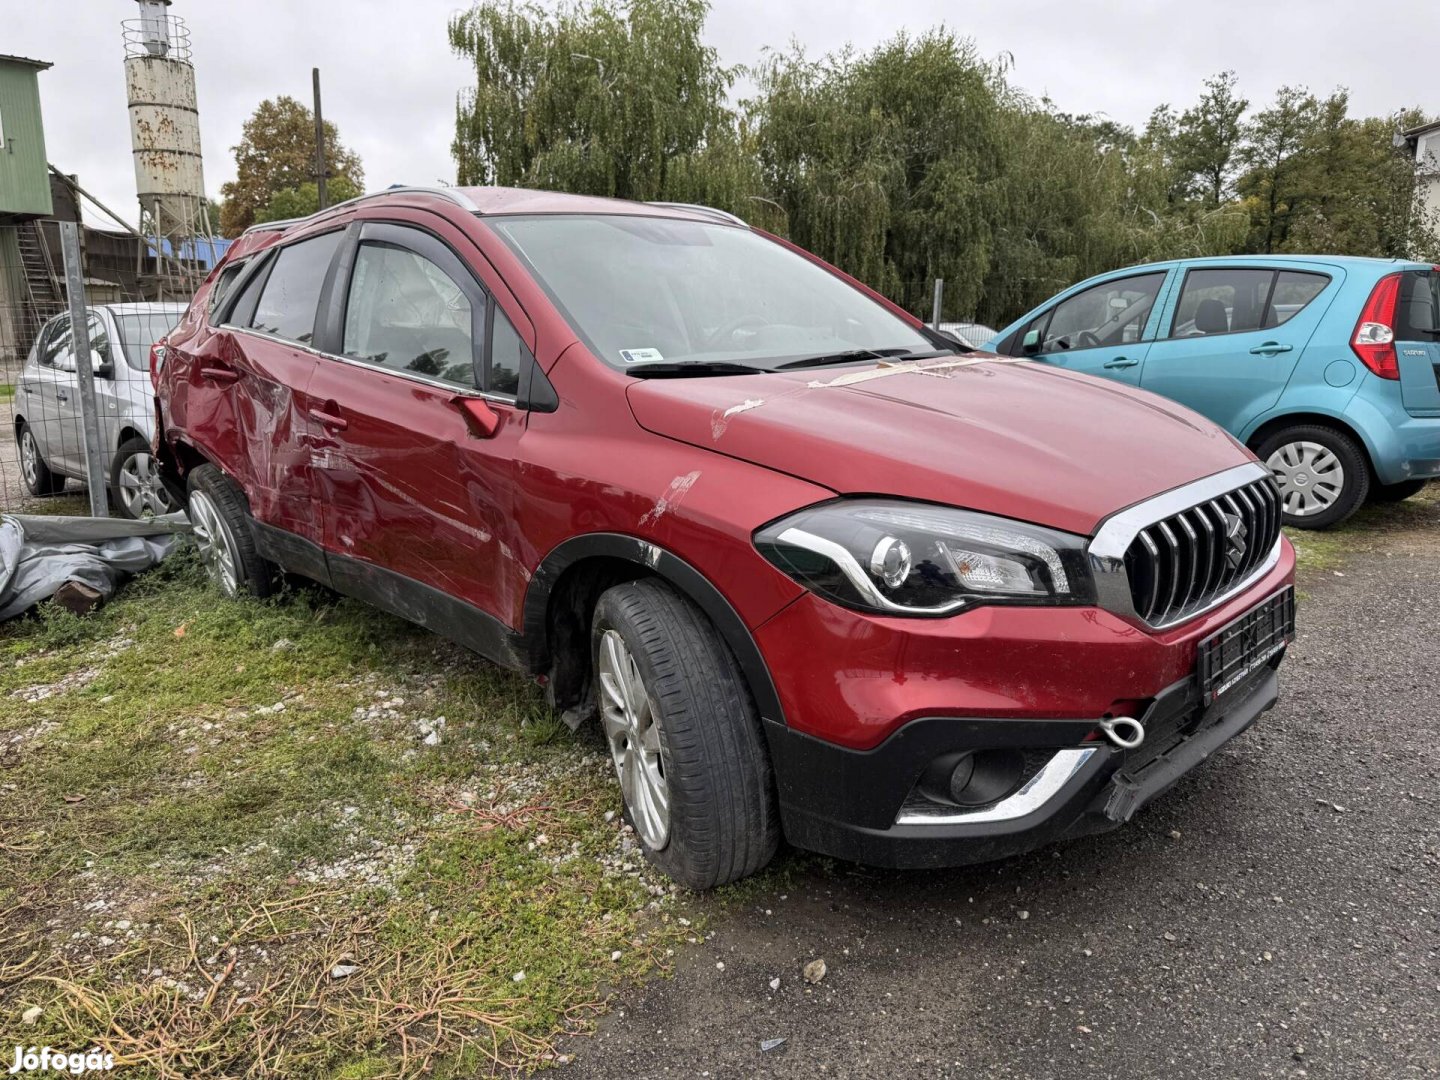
x=818, y=571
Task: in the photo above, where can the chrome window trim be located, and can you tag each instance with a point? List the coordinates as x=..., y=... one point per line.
x=365, y=365
x=1052, y=779
x=1108, y=546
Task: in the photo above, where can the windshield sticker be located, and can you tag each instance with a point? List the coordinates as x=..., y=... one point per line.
x=640, y=356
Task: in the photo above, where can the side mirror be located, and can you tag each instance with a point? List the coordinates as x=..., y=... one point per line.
x=102, y=368
x=1030, y=343
x=480, y=418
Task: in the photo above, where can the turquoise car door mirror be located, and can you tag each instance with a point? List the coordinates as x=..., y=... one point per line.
x=1031, y=342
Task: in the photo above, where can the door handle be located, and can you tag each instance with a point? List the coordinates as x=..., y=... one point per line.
x=1121, y=362
x=329, y=419
x=60, y=395
x=220, y=374
x=1270, y=348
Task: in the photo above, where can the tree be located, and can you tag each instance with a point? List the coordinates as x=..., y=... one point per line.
x=304, y=200
x=598, y=98
x=276, y=153
x=1207, y=139
x=1275, y=144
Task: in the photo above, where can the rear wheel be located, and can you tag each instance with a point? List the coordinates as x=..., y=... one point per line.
x=1393, y=493
x=135, y=486
x=221, y=518
x=39, y=480
x=684, y=737
x=1322, y=474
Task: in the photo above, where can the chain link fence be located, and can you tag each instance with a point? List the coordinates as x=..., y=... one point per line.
x=43, y=401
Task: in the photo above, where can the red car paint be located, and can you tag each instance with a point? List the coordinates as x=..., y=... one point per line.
x=375, y=469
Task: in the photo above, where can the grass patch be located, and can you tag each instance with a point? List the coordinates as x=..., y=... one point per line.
x=300, y=839
x=1372, y=525
x=7, y=391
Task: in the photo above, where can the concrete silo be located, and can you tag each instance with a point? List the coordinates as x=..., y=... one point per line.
x=165, y=137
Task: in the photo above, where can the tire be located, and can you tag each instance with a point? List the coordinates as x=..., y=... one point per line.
x=221, y=518
x=135, y=487
x=1394, y=493
x=39, y=480
x=720, y=821
x=1323, y=474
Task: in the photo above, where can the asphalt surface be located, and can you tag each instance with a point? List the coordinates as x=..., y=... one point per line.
x=1277, y=914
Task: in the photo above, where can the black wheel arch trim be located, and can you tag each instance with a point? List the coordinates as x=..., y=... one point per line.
x=691, y=583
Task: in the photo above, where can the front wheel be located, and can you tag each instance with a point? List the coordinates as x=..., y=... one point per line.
x=135, y=485
x=1322, y=474
x=684, y=737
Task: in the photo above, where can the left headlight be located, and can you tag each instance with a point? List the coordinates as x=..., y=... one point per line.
x=894, y=557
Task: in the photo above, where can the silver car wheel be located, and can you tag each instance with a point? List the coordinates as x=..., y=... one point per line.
x=30, y=459
x=1309, y=475
x=141, y=489
x=216, y=543
x=633, y=734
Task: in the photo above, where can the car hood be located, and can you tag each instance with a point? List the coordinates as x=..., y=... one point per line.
x=1019, y=439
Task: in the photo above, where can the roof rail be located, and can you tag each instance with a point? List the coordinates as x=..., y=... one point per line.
x=455, y=195
x=719, y=215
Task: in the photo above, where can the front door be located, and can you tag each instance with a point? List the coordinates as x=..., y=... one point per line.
x=1231, y=337
x=419, y=426
x=1102, y=330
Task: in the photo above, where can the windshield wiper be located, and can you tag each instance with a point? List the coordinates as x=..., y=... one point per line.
x=855, y=355
x=664, y=369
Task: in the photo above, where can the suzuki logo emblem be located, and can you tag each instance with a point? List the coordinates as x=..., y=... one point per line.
x=1235, y=533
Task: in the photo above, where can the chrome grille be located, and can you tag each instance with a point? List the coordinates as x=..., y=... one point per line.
x=1184, y=563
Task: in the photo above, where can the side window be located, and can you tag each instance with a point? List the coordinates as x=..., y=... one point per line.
x=292, y=291
x=222, y=286
x=1418, y=314
x=507, y=355
x=404, y=312
x=55, y=342
x=99, y=342
x=1293, y=290
x=1111, y=313
x=1224, y=301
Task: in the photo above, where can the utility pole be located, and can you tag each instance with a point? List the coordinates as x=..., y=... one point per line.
x=319, y=142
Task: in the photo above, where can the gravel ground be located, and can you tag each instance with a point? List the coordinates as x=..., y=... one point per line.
x=1277, y=914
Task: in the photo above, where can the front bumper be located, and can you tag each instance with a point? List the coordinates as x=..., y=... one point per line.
x=845, y=803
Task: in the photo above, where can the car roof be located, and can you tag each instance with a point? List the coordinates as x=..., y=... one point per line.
x=148, y=307
x=1351, y=261
x=495, y=201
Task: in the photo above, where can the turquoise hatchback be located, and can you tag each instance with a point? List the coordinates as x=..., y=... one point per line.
x=1328, y=368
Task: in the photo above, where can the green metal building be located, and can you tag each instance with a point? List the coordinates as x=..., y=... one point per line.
x=24, y=173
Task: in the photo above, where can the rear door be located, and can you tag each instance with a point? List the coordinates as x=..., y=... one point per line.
x=40, y=387
x=416, y=456
x=247, y=394
x=1417, y=341
x=1105, y=329
x=1231, y=336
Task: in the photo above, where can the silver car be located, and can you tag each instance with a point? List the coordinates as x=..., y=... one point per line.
x=47, y=405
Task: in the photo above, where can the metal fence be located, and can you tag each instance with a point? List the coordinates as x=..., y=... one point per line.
x=69, y=402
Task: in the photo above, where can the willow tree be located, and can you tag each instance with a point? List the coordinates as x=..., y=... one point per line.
x=619, y=99
x=886, y=163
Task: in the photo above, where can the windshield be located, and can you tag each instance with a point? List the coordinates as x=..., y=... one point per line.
x=141, y=329
x=643, y=290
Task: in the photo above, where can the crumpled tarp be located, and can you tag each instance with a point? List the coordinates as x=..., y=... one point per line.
x=38, y=554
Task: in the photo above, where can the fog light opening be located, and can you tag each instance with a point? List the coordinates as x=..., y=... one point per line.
x=976, y=778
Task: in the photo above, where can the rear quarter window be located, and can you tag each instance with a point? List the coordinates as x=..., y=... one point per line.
x=286, y=308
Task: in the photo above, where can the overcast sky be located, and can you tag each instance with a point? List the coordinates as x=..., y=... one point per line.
x=390, y=80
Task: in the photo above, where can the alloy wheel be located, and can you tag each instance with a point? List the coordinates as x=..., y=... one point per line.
x=216, y=543
x=30, y=459
x=1309, y=475
x=633, y=734
x=141, y=489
